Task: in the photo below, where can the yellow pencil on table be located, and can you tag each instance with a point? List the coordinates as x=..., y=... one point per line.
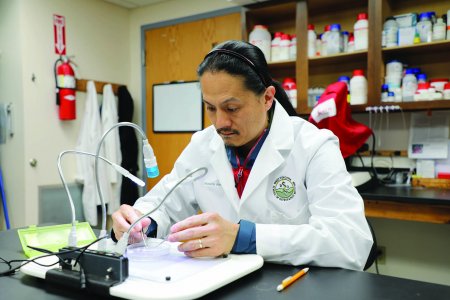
x=291, y=279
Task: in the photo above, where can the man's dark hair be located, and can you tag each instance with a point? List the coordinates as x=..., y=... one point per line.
x=246, y=60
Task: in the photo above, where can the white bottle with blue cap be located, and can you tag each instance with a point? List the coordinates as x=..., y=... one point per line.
x=424, y=28
x=346, y=79
x=409, y=86
x=334, y=40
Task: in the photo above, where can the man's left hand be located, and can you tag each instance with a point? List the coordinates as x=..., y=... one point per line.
x=206, y=234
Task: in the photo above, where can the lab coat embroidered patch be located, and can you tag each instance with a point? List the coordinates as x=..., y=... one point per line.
x=284, y=188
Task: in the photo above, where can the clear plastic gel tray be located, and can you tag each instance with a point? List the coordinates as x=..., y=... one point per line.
x=152, y=249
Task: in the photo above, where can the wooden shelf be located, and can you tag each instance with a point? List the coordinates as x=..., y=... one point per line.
x=437, y=46
x=270, y=11
x=316, y=7
x=278, y=17
x=358, y=108
x=338, y=58
x=293, y=16
x=421, y=105
x=282, y=64
x=406, y=106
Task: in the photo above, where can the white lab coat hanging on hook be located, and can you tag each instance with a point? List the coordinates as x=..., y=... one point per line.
x=111, y=145
x=88, y=139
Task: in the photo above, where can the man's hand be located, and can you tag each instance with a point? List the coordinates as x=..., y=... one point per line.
x=206, y=234
x=124, y=217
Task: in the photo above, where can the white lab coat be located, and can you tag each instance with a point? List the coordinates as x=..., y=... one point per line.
x=322, y=225
x=111, y=145
x=88, y=139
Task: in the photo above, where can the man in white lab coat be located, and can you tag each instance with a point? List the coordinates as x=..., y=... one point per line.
x=276, y=185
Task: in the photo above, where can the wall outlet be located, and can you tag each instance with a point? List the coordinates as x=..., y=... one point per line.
x=381, y=255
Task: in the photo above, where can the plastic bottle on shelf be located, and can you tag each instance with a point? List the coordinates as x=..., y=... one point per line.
x=424, y=28
x=439, y=30
x=447, y=91
x=448, y=24
x=346, y=80
x=390, y=28
x=275, y=47
x=284, y=47
x=351, y=43
x=409, y=86
x=325, y=34
x=334, y=40
x=397, y=94
x=416, y=38
x=312, y=37
x=261, y=38
x=290, y=87
x=422, y=92
x=358, y=88
x=314, y=95
x=361, y=32
x=383, y=39
x=384, y=92
x=394, y=68
x=390, y=97
x=293, y=47
x=344, y=40
x=416, y=71
x=394, y=73
x=319, y=45
x=432, y=15
x=421, y=78
x=438, y=83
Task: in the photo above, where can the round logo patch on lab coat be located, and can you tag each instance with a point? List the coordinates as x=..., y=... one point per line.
x=284, y=188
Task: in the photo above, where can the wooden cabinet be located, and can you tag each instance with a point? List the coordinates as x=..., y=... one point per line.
x=432, y=58
x=293, y=17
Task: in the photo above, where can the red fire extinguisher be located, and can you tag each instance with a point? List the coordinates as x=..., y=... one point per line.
x=65, y=88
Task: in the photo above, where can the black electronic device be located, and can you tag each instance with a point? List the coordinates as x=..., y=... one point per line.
x=95, y=271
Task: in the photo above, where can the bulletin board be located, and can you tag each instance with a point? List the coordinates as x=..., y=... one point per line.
x=177, y=107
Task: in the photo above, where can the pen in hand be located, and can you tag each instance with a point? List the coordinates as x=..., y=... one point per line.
x=291, y=279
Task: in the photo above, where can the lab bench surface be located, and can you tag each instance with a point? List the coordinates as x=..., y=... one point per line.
x=408, y=203
x=318, y=283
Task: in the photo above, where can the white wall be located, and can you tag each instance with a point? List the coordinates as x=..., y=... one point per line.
x=414, y=250
x=97, y=33
x=12, y=153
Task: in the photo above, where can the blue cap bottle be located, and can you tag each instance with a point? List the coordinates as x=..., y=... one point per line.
x=421, y=78
x=335, y=27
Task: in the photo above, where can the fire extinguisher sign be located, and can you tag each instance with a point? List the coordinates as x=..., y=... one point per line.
x=59, y=30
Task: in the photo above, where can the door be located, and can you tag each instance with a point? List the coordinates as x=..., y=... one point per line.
x=173, y=53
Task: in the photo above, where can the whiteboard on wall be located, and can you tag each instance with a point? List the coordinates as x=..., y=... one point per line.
x=177, y=107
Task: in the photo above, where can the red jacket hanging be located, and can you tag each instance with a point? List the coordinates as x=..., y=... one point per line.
x=332, y=112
